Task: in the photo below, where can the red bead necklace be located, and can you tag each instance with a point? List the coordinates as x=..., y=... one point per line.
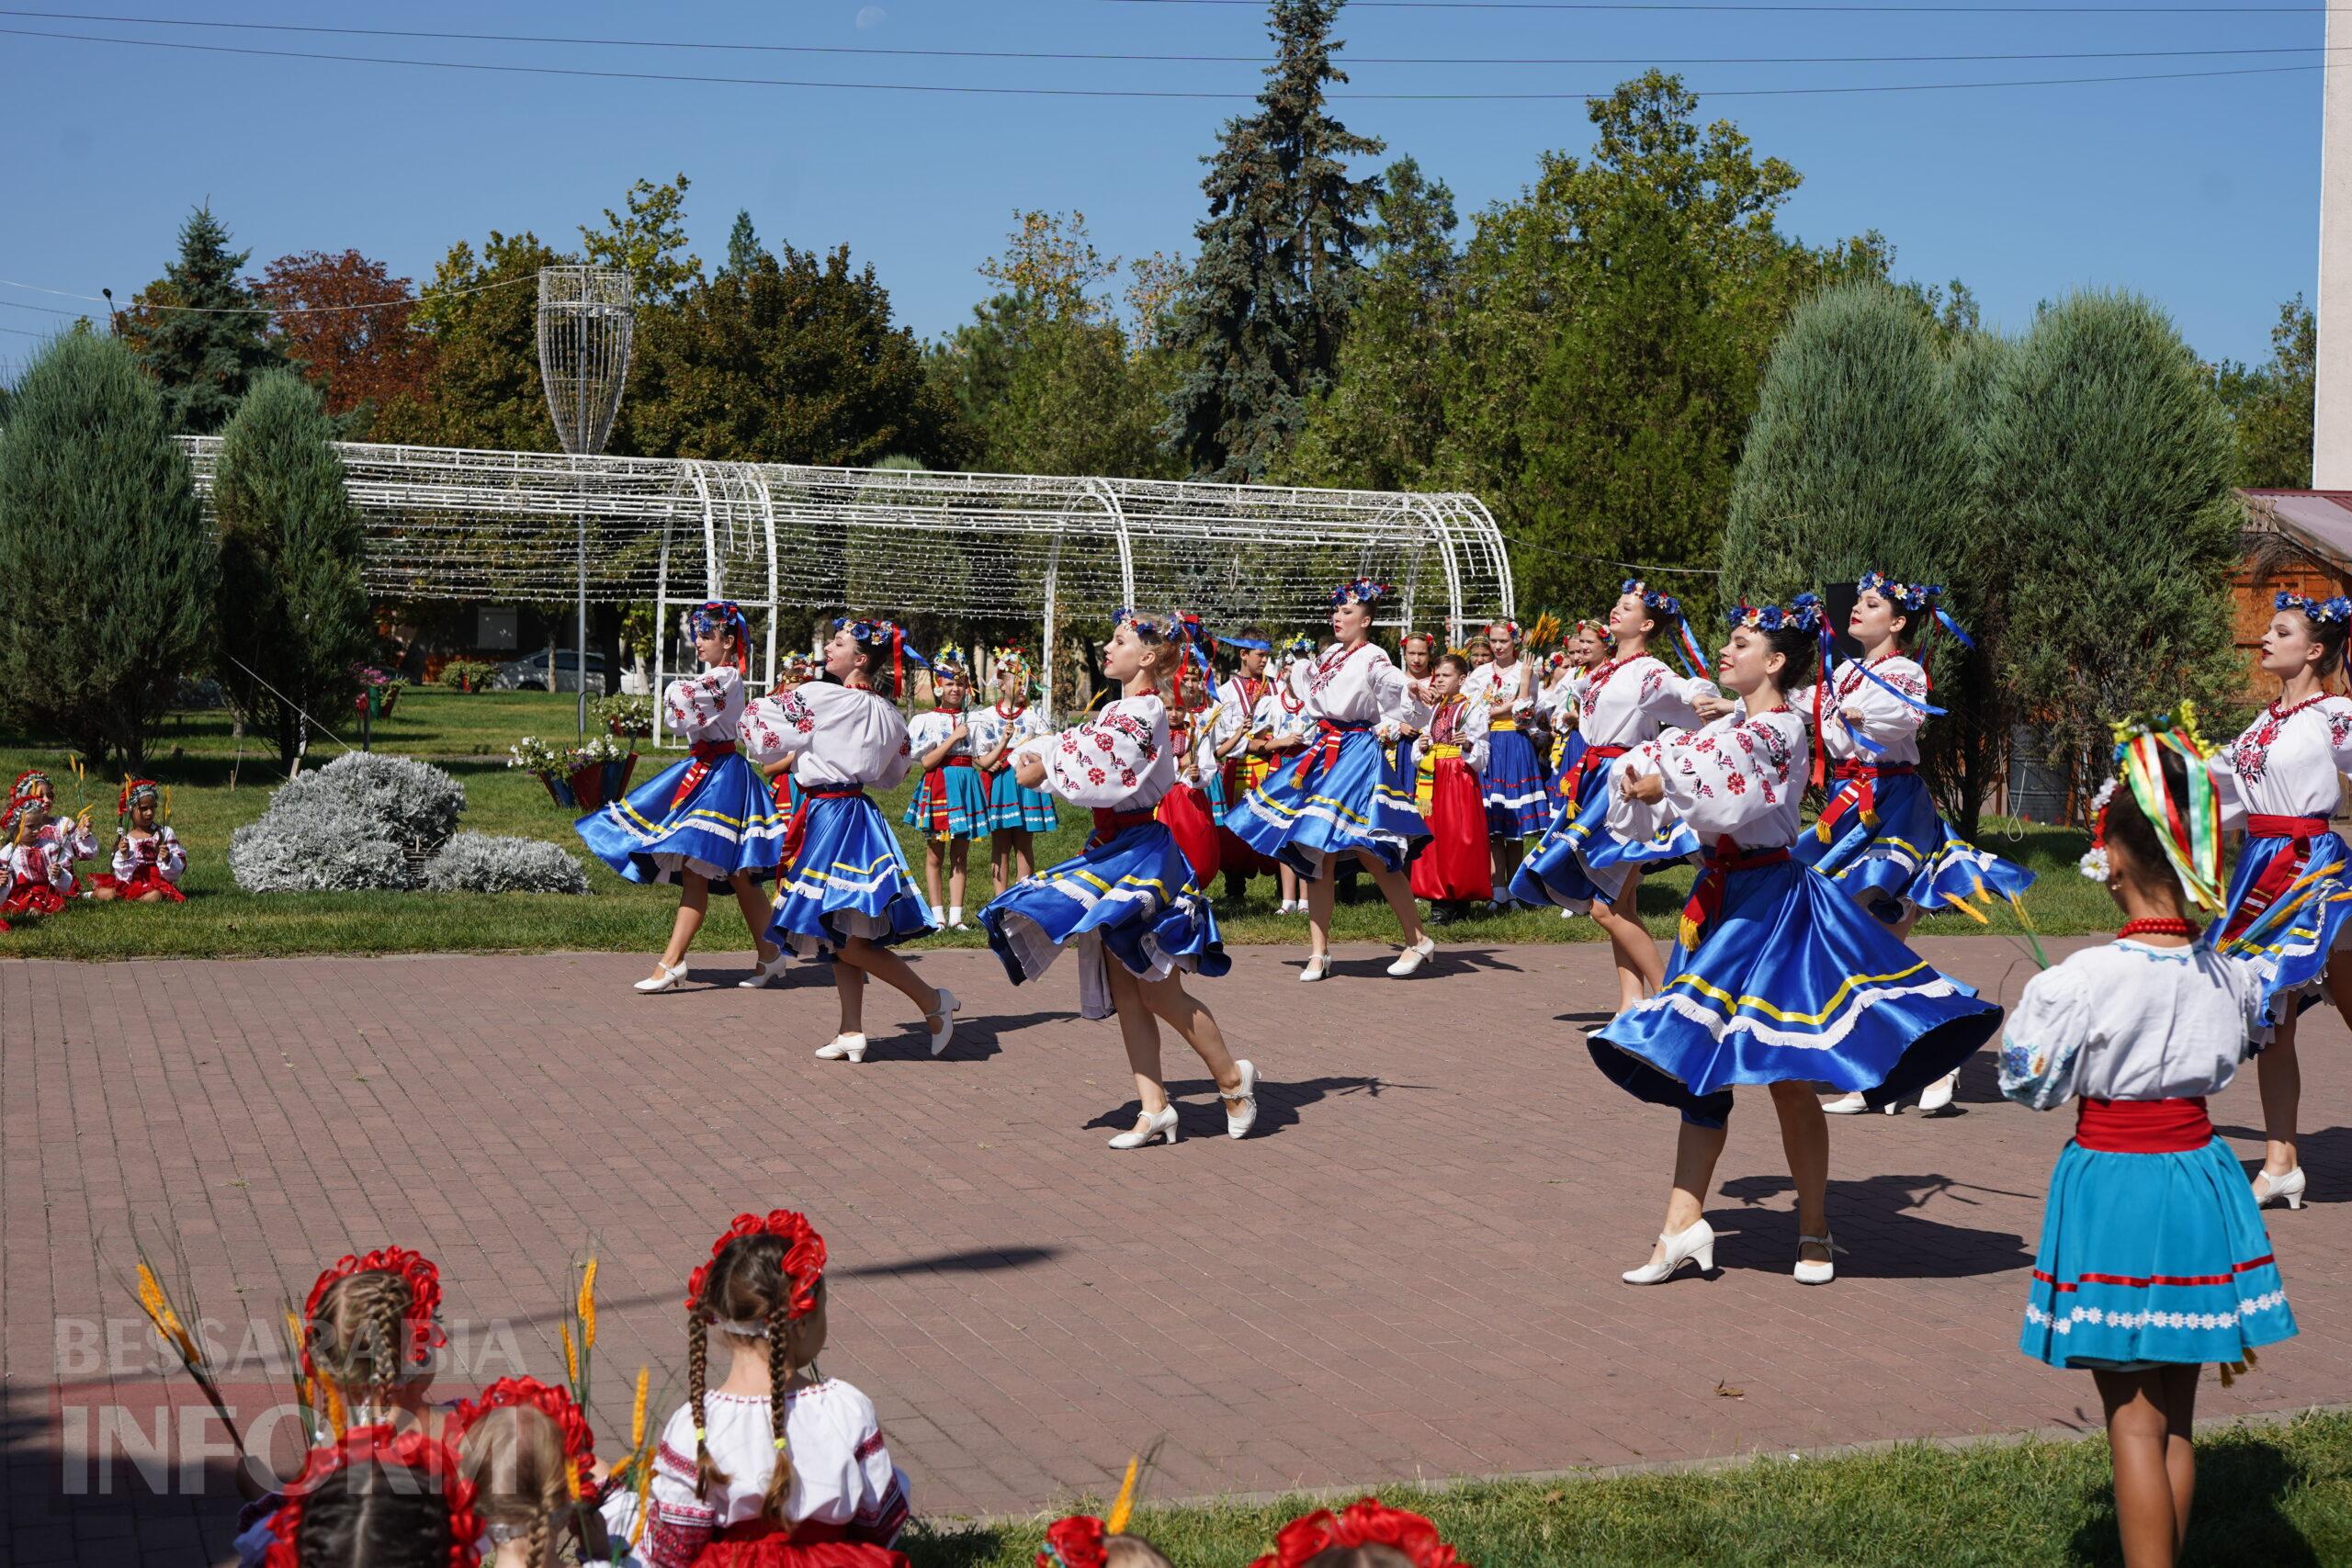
x=2157, y=928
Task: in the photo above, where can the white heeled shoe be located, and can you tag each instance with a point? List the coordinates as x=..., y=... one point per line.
x=1694, y=1243
x=765, y=972
x=1849, y=1104
x=1317, y=967
x=1238, y=1122
x=1413, y=957
x=1161, y=1124
x=842, y=1047
x=665, y=980
x=945, y=1013
x=2269, y=1189
x=1809, y=1273
x=1937, y=1096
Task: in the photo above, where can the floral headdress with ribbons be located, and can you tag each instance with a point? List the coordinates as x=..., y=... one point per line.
x=135, y=793
x=1364, y=1523
x=889, y=633
x=724, y=614
x=1913, y=599
x=1411, y=638
x=555, y=1404
x=949, y=662
x=1011, y=656
x=1298, y=647
x=31, y=779
x=1509, y=629
x=2189, y=829
x=1361, y=590
x=1684, y=642
x=1583, y=624
x=2320, y=612
x=803, y=1262
x=1802, y=614
x=799, y=669
x=12, y=819
x=428, y=1458
x=421, y=1331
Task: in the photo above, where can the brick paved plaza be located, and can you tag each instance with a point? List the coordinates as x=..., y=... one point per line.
x=1409, y=1272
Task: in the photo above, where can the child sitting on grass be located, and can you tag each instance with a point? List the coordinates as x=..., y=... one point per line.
x=148, y=859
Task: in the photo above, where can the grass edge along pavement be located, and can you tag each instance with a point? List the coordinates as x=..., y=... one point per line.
x=469, y=734
x=2275, y=1490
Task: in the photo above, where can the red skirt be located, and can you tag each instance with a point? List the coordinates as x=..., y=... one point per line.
x=1454, y=863
x=760, y=1544
x=33, y=899
x=1242, y=774
x=1185, y=809
x=143, y=881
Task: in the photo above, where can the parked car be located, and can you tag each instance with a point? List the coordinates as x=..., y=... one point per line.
x=530, y=674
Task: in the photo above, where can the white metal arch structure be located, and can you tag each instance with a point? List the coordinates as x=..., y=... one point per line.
x=453, y=523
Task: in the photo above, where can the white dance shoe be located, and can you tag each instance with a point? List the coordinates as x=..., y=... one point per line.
x=765, y=972
x=1238, y=1122
x=1817, y=1273
x=666, y=979
x=1412, y=958
x=1161, y=1125
x=1317, y=968
x=944, y=1030
x=1851, y=1104
x=2269, y=1189
x=1937, y=1096
x=843, y=1048
x=1695, y=1242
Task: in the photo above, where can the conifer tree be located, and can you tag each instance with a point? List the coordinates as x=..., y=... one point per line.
x=205, y=355
x=294, y=619
x=1257, y=331
x=742, y=245
x=109, y=562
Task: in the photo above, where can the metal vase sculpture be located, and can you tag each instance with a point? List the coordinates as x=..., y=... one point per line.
x=587, y=319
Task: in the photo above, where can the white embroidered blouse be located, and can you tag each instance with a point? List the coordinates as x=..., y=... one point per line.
x=1118, y=760
x=2287, y=762
x=992, y=726
x=1362, y=685
x=1513, y=692
x=161, y=849
x=1624, y=702
x=1886, y=719
x=927, y=731
x=1739, y=777
x=842, y=736
x=708, y=706
x=2129, y=1021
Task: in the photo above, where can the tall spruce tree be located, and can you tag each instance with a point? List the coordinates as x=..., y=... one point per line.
x=294, y=619
x=205, y=355
x=742, y=245
x=1257, y=331
x=2110, y=461
x=110, y=561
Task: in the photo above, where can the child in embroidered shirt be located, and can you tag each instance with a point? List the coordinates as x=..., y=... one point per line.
x=951, y=804
x=774, y=1449
x=148, y=857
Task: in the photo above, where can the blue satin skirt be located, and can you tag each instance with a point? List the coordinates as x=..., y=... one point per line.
x=2289, y=952
x=1361, y=802
x=1578, y=859
x=1129, y=899
x=728, y=823
x=1904, y=852
x=849, y=879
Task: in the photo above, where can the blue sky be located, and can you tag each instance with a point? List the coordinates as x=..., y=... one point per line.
x=2200, y=193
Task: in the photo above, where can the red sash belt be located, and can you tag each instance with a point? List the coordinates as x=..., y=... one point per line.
x=1863, y=797
x=705, y=752
x=2282, y=870
x=1707, y=893
x=2303, y=830
x=810, y=796
x=806, y=1532
x=1109, y=824
x=1325, y=753
x=934, y=783
x=1575, y=780
x=2143, y=1126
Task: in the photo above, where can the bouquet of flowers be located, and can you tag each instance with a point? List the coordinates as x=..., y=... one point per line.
x=626, y=713
x=578, y=778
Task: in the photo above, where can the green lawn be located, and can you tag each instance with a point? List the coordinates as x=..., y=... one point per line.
x=469, y=736
x=2280, y=1496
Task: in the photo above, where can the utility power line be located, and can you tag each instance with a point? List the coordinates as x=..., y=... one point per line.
x=1847, y=10
x=994, y=91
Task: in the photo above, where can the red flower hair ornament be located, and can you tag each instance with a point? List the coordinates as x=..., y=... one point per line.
x=579, y=1442
x=1364, y=1523
x=435, y=1462
x=1074, y=1542
x=804, y=1256
x=424, y=1297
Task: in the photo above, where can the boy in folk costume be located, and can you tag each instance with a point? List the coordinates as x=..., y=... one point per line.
x=951, y=804
x=148, y=858
x=1452, y=868
x=1243, y=767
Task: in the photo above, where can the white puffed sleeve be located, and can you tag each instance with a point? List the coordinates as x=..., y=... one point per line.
x=706, y=707
x=1887, y=719
x=681, y=1522
x=125, y=858
x=171, y=855
x=880, y=1503
x=1391, y=688
x=75, y=840
x=1231, y=729
x=1100, y=763
x=2227, y=795
x=1726, y=781
x=1472, y=735
x=780, y=726
x=2043, y=1042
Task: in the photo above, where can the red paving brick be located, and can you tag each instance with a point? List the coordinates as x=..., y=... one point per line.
x=1408, y=1271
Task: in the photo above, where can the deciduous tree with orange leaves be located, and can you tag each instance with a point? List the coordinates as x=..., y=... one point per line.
x=351, y=329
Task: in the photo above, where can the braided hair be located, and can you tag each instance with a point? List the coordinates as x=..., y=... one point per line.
x=746, y=1285
x=356, y=1335
x=514, y=1457
x=374, y=1514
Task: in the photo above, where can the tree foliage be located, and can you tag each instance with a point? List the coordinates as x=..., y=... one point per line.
x=2109, y=462
x=351, y=328
x=109, y=563
x=293, y=616
x=650, y=240
x=205, y=350
x=2270, y=405
x=742, y=245
x=482, y=314
x=1259, y=325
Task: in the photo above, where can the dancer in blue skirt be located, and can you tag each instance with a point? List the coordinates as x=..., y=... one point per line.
x=708, y=819
x=1341, y=796
x=2290, y=899
x=1578, y=864
x=1517, y=791
x=847, y=889
x=1778, y=978
x=1879, y=836
x=1127, y=906
x=2153, y=1259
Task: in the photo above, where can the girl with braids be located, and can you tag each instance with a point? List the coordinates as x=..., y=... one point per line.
x=1778, y=978
x=2290, y=896
x=1127, y=905
x=776, y=1467
x=1015, y=815
x=709, y=819
x=1339, y=798
x=1879, y=836
x=377, y=1498
x=846, y=887
x=528, y=1452
x=2153, y=1258
x=1619, y=704
x=148, y=859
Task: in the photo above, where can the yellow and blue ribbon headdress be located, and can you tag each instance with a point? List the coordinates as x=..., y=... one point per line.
x=2189, y=828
